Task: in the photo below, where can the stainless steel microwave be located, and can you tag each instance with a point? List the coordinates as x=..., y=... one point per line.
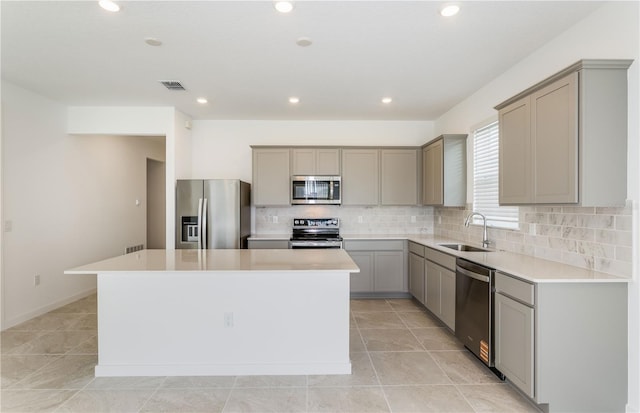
x=315, y=190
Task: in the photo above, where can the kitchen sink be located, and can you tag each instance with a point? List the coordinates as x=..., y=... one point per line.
x=464, y=247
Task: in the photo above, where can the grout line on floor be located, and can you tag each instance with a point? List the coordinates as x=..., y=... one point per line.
x=375, y=371
x=155, y=391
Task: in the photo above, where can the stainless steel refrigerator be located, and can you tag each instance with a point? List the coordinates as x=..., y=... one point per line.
x=213, y=213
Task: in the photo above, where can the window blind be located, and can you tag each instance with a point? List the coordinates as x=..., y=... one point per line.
x=485, y=180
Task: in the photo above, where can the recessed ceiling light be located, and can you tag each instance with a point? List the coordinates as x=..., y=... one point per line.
x=109, y=5
x=202, y=100
x=387, y=100
x=294, y=99
x=152, y=41
x=449, y=10
x=283, y=6
x=304, y=42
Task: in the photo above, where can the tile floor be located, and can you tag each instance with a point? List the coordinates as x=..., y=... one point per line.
x=403, y=361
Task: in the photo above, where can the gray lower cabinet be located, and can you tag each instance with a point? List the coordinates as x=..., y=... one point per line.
x=441, y=293
x=432, y=287
x=448, y=298
x=383, y=267
x=440, y=285
x=514, y=322
x=389, y=274
x=432, y=281
x=564, y=344
x=416, y=276
x=270, y=244
x=362, y=282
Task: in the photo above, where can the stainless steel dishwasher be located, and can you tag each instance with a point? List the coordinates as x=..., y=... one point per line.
x=474, y=308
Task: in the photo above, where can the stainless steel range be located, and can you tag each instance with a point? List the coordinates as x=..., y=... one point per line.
x=315, y=233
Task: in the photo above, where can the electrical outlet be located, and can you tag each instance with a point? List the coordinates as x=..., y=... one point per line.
x=8, y=225
x=359, y=219
x=228, y=320
x=275, y=219
x=439, y=219
x=36, y=280
x=532, y=229
x=413, y=219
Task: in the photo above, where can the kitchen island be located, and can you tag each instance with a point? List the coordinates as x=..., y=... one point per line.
x=223, y=312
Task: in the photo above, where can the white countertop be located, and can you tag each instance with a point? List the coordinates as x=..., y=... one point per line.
x=223, y=260
x=526, y=267
x=536, y=270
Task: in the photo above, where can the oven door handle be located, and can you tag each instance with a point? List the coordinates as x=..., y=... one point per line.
x=473, y=275
x=311, y=244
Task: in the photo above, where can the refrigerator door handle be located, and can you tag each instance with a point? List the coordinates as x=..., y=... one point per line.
x=204, y=224
x=200, y=223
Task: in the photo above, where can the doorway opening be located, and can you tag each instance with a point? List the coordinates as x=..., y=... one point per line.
x=156, y=204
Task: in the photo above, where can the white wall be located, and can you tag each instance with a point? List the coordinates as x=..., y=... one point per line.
x=163, y=121
x=179, y=167
x=612, y=31
x=70, y=199
x=119, y=120
x=221, y=149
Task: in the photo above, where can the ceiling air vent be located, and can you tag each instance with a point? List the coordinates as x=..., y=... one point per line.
x=172, y=84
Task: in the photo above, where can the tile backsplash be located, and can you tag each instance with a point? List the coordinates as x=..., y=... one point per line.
x=353, y=220
x=594, y=238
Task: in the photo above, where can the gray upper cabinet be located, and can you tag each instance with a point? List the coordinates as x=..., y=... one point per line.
x=444, y=171
x=271, y=177
x=399, y=176
x=432, y=174
x=315, y=161
x=360, y=176
x=554, y=126
x=564, y=140
x=515, y=153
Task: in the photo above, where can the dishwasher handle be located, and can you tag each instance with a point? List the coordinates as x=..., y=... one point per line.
x=473, y=275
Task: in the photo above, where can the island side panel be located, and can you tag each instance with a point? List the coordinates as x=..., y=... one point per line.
x=581, y=346
x=223, y=323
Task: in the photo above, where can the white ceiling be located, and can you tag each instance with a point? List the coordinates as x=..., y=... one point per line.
x=242, y=55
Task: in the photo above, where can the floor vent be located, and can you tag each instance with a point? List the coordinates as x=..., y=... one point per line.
x=134, y=248
x=172, y=84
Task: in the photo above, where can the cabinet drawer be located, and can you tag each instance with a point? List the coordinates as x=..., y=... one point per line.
x=518, y=289
x=268, y=244
x=445, y=260
x=416, y=248
x=371, y=245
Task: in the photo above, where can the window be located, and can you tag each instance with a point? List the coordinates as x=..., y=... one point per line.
x=485, y=180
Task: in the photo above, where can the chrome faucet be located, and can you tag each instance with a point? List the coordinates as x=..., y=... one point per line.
x=485, y=240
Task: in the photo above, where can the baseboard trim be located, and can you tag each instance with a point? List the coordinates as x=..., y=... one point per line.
x=231, y=369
